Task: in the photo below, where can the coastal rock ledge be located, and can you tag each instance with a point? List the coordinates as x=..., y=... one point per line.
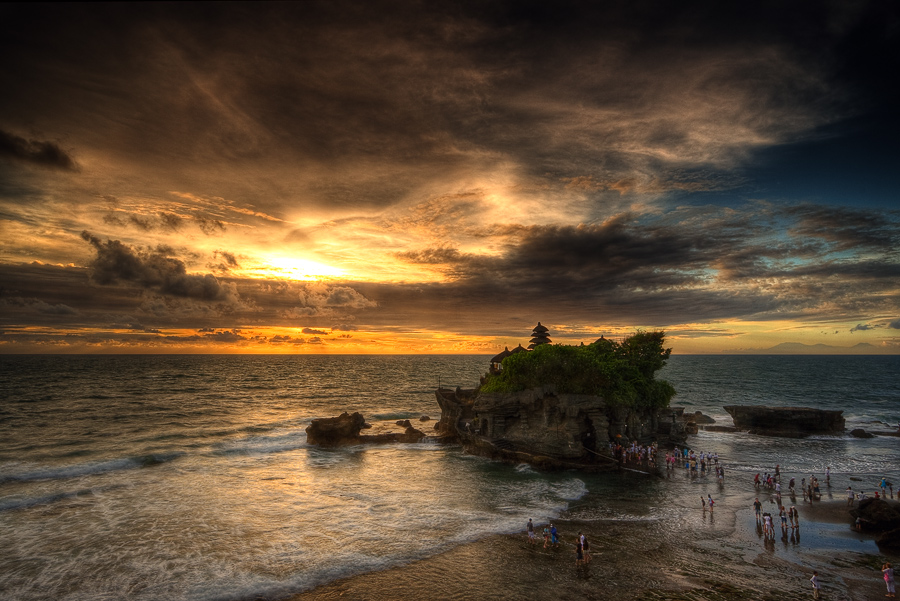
x=788, y=422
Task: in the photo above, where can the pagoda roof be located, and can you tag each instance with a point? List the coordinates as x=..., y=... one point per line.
x=518, y=349
x=540, y=329
x=502, y=355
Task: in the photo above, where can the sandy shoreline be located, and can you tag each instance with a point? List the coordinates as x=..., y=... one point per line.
x=689, y=554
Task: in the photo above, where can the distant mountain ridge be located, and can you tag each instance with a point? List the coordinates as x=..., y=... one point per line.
x=798, y=348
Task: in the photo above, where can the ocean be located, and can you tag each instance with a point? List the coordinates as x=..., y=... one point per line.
x=189, y=477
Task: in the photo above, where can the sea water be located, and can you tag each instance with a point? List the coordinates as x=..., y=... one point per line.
x=189, y=477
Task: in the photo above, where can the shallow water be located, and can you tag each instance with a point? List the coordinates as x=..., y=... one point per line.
x=189, y=477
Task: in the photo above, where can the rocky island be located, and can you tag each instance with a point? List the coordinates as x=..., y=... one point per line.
x=559, y=406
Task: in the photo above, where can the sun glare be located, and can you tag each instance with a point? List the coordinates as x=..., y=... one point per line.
x=292, y=268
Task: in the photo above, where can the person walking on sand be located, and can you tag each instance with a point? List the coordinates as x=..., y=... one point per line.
x=554, y=535
x=710, y=502
x=849, y=496
x=530, y=529
x=828, y=475
x=888, y=572
x=795, y=518
x=757, y=508
x=816, y=586
x=579, y=551
x=546, y=537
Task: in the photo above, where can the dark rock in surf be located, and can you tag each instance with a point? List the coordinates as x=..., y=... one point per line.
x=335, y=431
x=344, y=430
x=789, y=422
x=889, y=540
x=877, y=515
x=860, y=433
x=409, y=435
x=719, y=429
x=424, y=418
x=701, y=419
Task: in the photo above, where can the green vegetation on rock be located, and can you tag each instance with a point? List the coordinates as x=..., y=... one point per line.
x=621, y=373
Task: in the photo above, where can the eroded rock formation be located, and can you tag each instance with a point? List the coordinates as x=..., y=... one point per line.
x=547, y=429
x=790, y=422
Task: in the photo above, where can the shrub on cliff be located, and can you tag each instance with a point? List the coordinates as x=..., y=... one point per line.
x=621, y=373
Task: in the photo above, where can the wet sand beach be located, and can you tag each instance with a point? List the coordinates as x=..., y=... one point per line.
x=653, y=541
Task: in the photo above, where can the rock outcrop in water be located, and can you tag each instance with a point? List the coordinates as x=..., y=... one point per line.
x=883, y=517
x=789, y=422
x=550, y=430
x=345, y=430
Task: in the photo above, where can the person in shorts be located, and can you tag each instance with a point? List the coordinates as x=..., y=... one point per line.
x=530, y=529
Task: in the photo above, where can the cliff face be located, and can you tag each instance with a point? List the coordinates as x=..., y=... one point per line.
x=543, y=427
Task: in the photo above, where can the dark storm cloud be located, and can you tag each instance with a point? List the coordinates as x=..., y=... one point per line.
x=861, y=327
x=364, y=98
x=227, y=257
x=706, y=265
x=847, y=229
x=117, y=262
x=214, y=336
x=314, y=331
x=36, y=152
x=36, y=306
x=163, y=221
x=134, y=327
x=227, y=263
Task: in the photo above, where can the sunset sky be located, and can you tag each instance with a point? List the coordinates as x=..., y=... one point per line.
x=437, y=177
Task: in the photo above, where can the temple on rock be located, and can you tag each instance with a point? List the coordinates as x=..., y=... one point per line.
x=560, y=406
